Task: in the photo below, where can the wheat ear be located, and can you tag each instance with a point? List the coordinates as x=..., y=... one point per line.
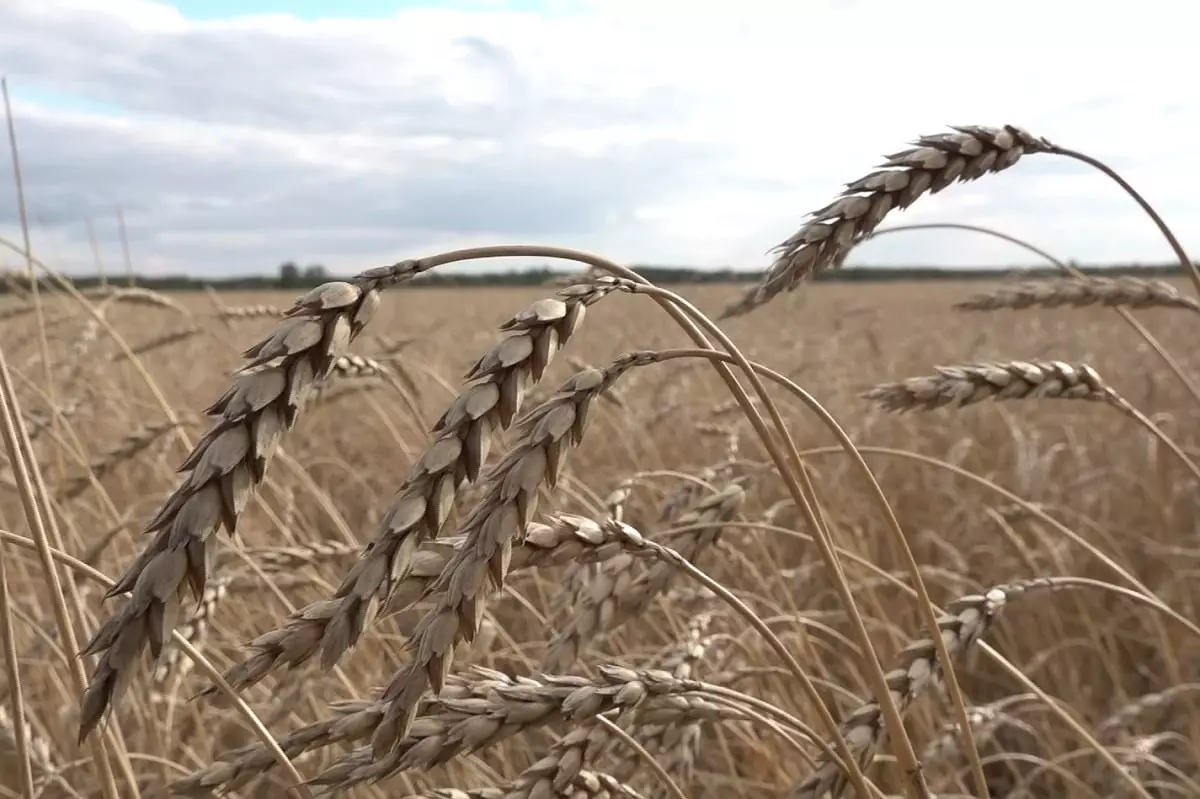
x=956, y=386
x=238, y=312
x=477, y=709
x=472, y=725
x=225, y=467
x=932, y=164
x=618, y=593
x=965, y=622
x=1125, y=292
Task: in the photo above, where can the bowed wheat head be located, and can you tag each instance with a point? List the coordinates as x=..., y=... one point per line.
x=683, y=591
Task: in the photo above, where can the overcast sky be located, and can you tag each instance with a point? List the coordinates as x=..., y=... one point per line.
x=237, y=135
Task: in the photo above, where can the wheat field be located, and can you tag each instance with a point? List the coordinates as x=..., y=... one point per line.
x=688, y=608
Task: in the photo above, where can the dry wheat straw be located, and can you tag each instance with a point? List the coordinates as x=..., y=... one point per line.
x=566, y=538
x=422, y=504
x=1124, y=292
x=543, y=439
x=956, y=386
x=965, y=622
x=225, y=467
x=934, y=163
x=619, y=593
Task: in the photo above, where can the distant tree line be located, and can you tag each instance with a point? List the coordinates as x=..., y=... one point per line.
x=290, y=275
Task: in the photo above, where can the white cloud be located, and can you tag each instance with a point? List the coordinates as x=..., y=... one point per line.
x=663, y=131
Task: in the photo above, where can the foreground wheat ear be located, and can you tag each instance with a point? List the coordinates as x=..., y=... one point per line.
x=935, y=162
x=225, y=467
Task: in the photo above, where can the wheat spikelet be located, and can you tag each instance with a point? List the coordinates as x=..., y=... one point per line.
x=420, y=507
x=966, y=621
x=618, y=689
x=618, y=593
x=194, y=629
x=224, y=468
x=956, y=386
x=275, y=560
x=934, y=163
x=1124, y=292
x=1124, y=718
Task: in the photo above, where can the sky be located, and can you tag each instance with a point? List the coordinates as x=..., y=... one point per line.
x=239, y=135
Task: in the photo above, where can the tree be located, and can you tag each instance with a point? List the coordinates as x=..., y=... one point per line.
x=314, y=273
x=289, y=273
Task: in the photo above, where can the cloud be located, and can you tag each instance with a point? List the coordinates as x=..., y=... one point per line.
x=663, y=132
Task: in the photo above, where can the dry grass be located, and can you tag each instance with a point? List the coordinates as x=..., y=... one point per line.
x=655, y=560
